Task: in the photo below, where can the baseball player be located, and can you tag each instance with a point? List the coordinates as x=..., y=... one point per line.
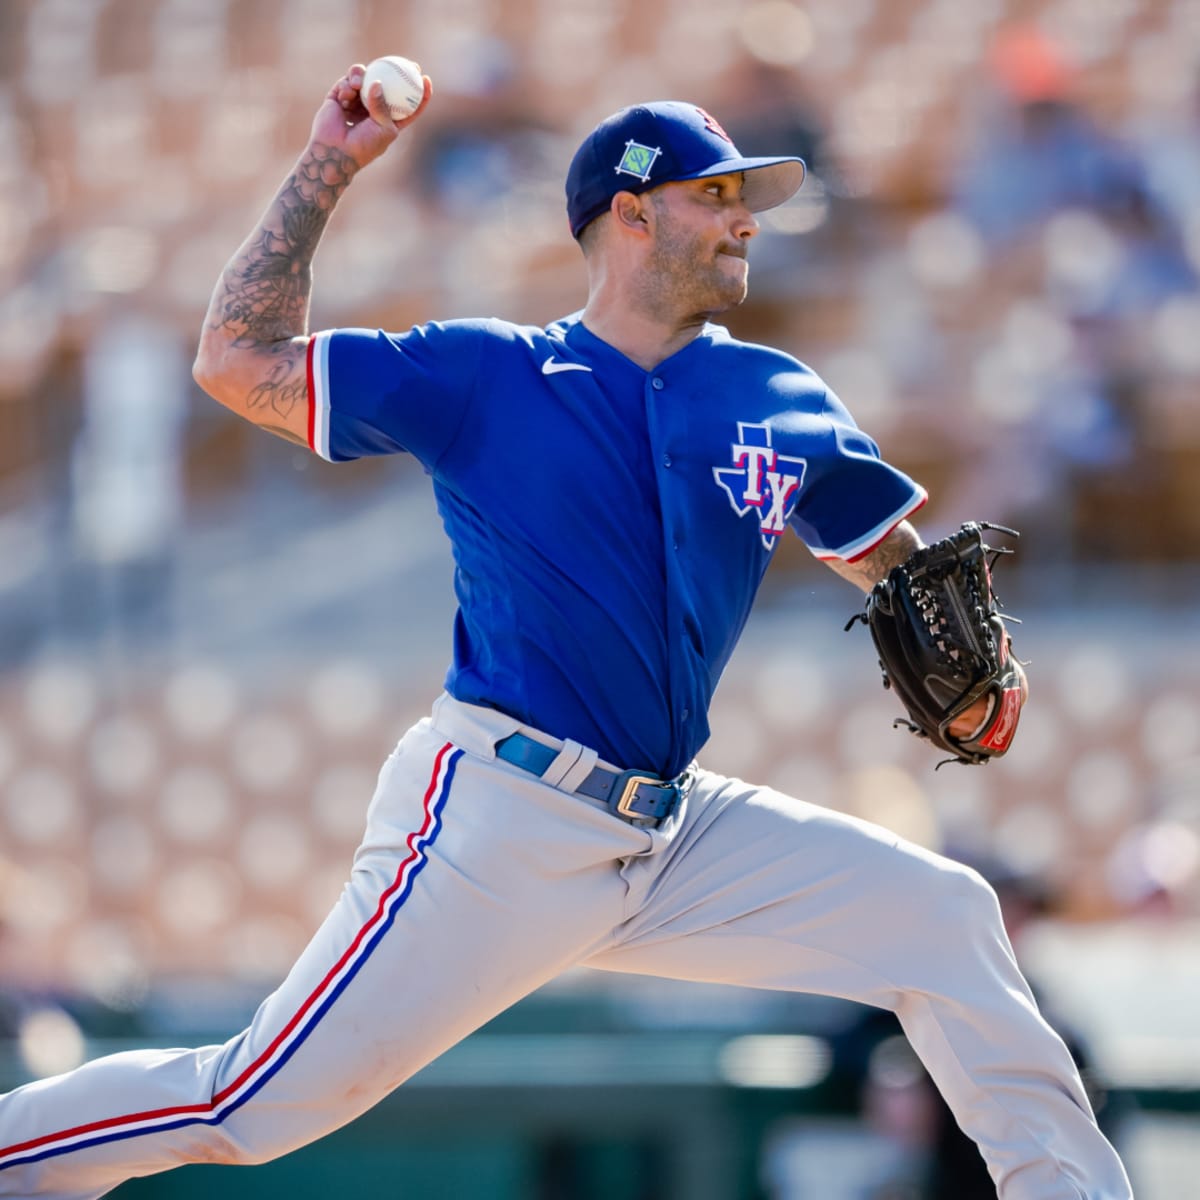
x=614, y=486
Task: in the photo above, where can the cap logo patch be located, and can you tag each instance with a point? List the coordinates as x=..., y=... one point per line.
x=637, y=160
x=711, y=123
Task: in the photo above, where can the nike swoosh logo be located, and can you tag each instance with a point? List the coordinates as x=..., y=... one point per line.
x=550, y=367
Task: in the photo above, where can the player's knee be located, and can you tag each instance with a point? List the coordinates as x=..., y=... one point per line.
x=978, y=896
x=960, y=903
x=235, y=1143
x=977, y=919
x=222, y=1147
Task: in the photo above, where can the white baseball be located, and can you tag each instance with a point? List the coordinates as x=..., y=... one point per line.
x=403, y=85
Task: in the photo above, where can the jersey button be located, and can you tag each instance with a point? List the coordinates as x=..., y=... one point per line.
x=686, y=713
x=666, y=460
x=657, y=384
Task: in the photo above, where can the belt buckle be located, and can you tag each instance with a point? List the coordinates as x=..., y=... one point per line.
x=629, y=793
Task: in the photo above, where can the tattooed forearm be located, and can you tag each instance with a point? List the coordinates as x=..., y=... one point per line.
x=891, y=552
x=263, y=296
x=251, y=355
x=283, y=387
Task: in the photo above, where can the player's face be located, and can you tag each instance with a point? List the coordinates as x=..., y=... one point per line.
x=702, y=232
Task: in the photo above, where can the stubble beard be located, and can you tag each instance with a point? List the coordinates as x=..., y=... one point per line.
x=682, y=275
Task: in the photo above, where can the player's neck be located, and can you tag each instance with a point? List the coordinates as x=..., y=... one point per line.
x=645, y=338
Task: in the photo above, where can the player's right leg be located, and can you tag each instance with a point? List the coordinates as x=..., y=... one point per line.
x=431, y=938
x=762, y=890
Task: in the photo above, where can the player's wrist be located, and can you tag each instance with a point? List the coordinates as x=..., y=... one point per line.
x=323, y=172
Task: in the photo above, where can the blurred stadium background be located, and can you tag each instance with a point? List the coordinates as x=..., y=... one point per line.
x=209, y=640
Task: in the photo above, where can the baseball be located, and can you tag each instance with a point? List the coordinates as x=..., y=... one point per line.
x=403, y=85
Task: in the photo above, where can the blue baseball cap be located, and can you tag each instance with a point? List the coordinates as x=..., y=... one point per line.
x=645, y=145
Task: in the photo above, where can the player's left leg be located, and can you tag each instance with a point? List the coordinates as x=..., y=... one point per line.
x=475, y=883
x=762, y=890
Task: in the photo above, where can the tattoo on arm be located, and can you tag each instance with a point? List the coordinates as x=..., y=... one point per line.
x=283, y=387
x=261, y=301
x=891, y=552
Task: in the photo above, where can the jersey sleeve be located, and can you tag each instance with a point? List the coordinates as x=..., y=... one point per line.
x=852, y=499
x=371, y=392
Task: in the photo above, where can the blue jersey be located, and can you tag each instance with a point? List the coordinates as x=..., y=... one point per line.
x=610, y=525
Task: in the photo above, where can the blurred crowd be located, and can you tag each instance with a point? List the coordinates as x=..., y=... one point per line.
x=995, y=262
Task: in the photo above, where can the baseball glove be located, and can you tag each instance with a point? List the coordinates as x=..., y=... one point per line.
x=942, y=643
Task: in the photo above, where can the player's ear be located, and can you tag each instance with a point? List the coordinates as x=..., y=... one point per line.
x=629, y=211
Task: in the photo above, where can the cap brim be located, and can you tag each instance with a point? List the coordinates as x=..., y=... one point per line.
x=769, y=181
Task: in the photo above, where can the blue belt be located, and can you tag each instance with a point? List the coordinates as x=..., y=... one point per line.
x=629, y=794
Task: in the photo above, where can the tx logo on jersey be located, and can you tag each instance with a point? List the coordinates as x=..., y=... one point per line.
x=761, y=480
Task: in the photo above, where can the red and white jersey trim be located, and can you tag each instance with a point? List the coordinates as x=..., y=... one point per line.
x=318, y=394
x=863, y=546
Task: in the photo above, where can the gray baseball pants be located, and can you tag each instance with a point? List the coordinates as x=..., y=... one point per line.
x=477, y=882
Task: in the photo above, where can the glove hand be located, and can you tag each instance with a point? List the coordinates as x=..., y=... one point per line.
x=944, y=648
x=971, y=720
